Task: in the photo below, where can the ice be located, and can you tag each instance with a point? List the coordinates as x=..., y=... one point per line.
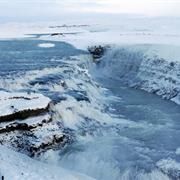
x=46, y=45
x=11, y=103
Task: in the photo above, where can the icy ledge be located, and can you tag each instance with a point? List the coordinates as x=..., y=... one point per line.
x=17, y=166
x=21, y=105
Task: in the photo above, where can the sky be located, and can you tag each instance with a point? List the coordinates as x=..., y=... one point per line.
x=47, y=9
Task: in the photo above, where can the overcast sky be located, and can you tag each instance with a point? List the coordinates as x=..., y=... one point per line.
x=45, y=9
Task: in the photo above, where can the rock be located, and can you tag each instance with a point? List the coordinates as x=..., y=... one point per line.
x=49, y=142
x=25, y=125
x=34, y=135
x=97, y=52
x=57, y=34
x=63, y=84
x=21, y=105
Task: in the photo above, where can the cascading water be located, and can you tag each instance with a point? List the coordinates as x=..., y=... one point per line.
x=118, y=132
x=133, y=133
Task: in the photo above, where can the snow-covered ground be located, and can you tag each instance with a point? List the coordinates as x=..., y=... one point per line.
x=119, y=30
x=11, y=103
x=17, y=166
x=161, y=33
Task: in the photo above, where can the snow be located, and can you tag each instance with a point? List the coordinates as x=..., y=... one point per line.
x=24, y=30
x=17, y=166
x=170, y=167
x=110, y=30
x=124, y=31
x=16, y=102
x=35, y=120
x=32, y=121
x=46, y=45
x=145, y=67
x=162, y=34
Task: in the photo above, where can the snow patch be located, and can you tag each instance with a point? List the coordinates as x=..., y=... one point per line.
x=11, y=103
x=46, y=45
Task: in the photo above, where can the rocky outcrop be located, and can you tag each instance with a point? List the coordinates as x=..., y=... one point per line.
x=57, y=34
x=49, y=142
x=27, y=125
x=21, y=105
x=97, y=52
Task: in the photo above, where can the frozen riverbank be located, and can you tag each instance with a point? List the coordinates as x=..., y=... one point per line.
x=153, y=68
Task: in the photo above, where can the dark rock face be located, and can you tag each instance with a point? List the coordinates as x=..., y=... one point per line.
x=97, y=51
x=54, y=141
x=56, y=34
x=23, y=125
x=34, y=135
x=23, y=114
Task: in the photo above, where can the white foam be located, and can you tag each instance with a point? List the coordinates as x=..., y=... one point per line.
x=178, y=151
x=169, y=166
